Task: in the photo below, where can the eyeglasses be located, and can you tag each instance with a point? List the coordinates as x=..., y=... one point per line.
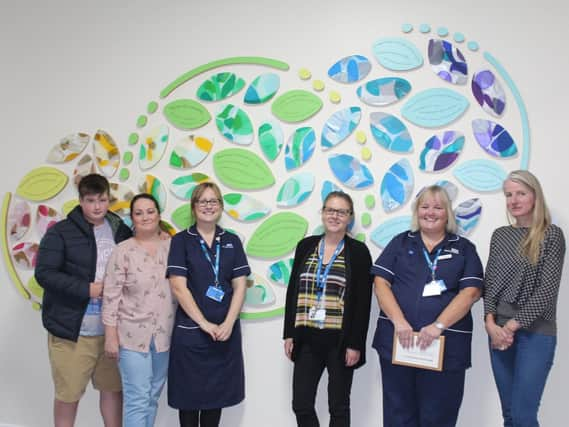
x=342, y=213
x=212, y=202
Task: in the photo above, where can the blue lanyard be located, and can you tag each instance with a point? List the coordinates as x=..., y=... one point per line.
x=432, y=264
x=321, y=277
x=214, y=267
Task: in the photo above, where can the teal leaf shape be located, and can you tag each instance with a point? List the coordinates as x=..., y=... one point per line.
x=397, y=54
x=383, y=234
x=242, y=169
x=277, y=235
x=435, y=107
x=481, y=175
x=263, y=88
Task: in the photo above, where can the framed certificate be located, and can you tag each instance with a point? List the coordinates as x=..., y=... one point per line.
x=429, y=358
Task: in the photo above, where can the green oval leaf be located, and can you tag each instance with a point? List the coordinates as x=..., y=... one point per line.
x=296, y=105
x=186, y=114
x=277, y=236
x=182, y=217
x=41, y=184
x=242, y=169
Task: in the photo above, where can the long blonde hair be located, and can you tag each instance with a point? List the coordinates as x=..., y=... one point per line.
x=541, y=219
x=435, y=191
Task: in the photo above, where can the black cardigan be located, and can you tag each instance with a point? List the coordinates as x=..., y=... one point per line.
x=357, y=299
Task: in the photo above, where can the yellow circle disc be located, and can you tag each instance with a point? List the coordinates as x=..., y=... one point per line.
x=304, y=73
x=361, y=137
x=366, y=153
x=335, y=97
x=318, y=85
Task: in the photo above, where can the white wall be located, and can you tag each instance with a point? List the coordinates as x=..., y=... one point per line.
x=67, y=67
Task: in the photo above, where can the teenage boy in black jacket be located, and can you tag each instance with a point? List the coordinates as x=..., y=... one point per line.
x=70, y=267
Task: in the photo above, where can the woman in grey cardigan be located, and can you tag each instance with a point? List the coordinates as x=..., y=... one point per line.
x=520, y=298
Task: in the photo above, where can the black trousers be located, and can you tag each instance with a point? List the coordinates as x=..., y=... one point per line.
x=200, y=418
x=310, y=361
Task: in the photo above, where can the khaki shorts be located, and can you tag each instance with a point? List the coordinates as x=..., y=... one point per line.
x=73, y=364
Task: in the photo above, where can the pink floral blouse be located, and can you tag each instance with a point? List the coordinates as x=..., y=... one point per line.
x=137, y=298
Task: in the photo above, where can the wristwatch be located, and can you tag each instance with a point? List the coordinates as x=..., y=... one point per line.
x=440, y=325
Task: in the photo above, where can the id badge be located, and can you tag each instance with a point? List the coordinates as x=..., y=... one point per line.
x=215, y=293
x=317, y=314
x=432, y=288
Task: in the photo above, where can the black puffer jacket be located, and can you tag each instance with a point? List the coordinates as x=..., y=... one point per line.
x=66, y=265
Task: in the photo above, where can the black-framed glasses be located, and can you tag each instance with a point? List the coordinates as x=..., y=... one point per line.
x=210, y=202
x=342, y=213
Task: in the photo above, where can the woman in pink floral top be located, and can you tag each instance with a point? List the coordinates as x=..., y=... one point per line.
x=138, y=313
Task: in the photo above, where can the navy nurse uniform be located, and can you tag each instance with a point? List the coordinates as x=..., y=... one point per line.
x=205, y=374
x=413, y=396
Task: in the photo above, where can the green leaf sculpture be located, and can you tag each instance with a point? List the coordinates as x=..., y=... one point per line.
x=186, y=114
x=277, y=235
x=42, y=183
x=242, y=169
x=182, y=217
x=296, y=106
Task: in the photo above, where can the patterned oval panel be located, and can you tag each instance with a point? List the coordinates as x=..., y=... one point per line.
x=397, y=185
x=190, y=151
x=295, y=189
x=300, y=147
x=339, y=126
x=384, y=91
x=244, y=207
x=350, y=171
x=390, y=132
x=350, y=69
x=441, y=151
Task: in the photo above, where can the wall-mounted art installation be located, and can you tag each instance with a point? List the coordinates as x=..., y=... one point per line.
x=422, y=124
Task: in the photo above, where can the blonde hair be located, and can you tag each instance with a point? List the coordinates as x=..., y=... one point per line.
x=435, y=191
x=541, y=219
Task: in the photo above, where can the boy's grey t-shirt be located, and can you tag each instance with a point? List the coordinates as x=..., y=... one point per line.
x=92, y=324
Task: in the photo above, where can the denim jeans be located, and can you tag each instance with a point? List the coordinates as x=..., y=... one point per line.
x=520, y=373
x=143, y=376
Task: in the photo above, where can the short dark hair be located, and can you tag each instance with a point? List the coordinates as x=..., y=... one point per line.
x=143, y=196
x=341, y=195
x=93, y=184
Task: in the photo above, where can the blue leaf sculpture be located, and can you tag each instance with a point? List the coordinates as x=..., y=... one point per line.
x=481, y=175
x=435, y=107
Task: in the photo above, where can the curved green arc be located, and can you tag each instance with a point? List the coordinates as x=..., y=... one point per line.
x=524, y=163
x=262, y=314
x=5, y=253
x=252, y=60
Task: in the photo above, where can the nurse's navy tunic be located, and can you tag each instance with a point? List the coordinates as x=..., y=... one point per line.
x=205, y=374
x=402, y=264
